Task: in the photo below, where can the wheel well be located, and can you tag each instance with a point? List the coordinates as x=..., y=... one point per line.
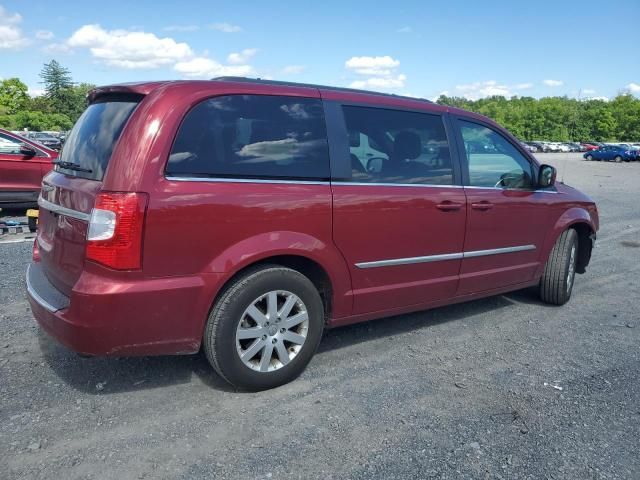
x=585, y=245
x=307, y=267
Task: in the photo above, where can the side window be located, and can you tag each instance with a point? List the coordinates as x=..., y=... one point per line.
x=493, y=161
x=9, y=145
x=252, y=136
x=398, y=147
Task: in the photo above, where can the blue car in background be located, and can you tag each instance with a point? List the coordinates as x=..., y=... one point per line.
x=616, y=153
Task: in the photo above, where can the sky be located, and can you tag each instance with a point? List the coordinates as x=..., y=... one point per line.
x=585, y=49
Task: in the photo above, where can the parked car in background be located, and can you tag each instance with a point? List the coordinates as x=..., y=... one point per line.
x=45, y=139
x=282, y=232
x=614, y=153
x=575, y=147
x=539, y=146
x=23, y=163
x=529, y=147
x=589, y=146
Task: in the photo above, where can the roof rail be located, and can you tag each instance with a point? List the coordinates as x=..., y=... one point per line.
x=312, y=85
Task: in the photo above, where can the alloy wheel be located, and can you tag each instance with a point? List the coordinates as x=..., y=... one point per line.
x=272, y=331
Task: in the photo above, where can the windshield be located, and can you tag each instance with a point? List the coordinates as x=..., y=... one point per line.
x=93, y=138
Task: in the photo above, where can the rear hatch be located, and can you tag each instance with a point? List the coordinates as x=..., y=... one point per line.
x=69, y=192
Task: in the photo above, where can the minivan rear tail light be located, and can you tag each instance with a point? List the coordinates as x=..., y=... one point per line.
x=115, y=230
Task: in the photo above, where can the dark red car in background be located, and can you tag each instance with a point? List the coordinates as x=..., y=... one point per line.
x=23, y=163
x=238, y=215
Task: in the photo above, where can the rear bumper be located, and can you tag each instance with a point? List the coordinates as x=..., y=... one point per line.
x=103, y=316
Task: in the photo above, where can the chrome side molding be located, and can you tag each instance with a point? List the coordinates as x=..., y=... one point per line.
x=444, y=257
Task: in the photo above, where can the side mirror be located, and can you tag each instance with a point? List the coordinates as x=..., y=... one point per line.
x=546, y=176
x=27, y=150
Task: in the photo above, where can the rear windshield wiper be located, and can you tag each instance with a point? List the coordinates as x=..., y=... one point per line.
x=72, y=166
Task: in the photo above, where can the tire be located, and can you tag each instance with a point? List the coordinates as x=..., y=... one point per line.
x=618, y=159
x=230, y=317
x=558, y=278
x=589, y=157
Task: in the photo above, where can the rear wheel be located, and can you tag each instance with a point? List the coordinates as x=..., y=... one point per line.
x=559, y=274
x=264, y=328
x=618, y=159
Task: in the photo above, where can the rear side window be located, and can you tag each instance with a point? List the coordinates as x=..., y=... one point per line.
x=252, y=136
x=92, y=139
x=398, y=147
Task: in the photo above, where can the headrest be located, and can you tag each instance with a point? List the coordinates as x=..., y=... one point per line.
x=407, y=146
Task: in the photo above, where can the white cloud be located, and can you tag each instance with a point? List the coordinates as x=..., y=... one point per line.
x=382, y=72
x=553, y=83
x=633, y=87
x=129, y=49
x=241, y=57
x=181, y=28
x=35, y=92
x=11, y=37
x=56, y=48
x=604, y=99
x=476, y=90
x=588, y=91
x=44, y=35
x=444, y=92
x=372, y=65
x=293, y=69
x=392, y=82
x=226, y=27
x=406, y=29
x=204, y=67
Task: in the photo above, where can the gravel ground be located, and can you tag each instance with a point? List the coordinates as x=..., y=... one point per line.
x=504, y=387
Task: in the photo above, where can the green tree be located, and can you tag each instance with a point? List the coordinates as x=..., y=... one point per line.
x=56, y=79
x=13, y=95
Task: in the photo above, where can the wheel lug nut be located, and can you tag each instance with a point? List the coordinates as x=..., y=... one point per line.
x=282, y=330
x=273, y=341
x=264, y=337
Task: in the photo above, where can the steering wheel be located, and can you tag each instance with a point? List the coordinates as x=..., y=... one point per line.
x=371, y=164
x=500, y=183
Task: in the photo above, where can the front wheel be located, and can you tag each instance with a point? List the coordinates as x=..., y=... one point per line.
x=589, y=157
x=559, y=274
x=264, y=329
x=618, y=159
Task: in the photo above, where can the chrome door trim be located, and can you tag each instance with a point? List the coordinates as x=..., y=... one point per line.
x=373, y=184
x=410, y=260
x=244, y=180
x=498, y=251
x=60, y=210
x=443, y=257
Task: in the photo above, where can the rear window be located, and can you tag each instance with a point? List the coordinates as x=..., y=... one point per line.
x=252, y=136
x=93, y=137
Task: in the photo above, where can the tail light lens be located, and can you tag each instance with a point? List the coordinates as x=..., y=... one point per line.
x=115, y=230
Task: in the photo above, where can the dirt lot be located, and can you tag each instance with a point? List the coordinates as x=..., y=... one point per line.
x=498, y=388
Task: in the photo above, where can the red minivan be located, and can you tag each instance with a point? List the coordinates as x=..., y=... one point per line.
x=23, y=163
x=241, y=216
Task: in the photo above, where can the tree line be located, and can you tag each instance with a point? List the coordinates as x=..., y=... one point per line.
x=549, y=118
x=560, y=119
x=57, y=109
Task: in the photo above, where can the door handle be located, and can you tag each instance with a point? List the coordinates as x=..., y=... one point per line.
x=484, y=205
x=449, y=206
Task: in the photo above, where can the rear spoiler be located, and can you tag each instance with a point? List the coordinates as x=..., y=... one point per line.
x=125, y=89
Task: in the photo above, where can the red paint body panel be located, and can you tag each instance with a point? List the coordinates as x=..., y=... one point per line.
x=23, y=173
x=386, y=222
x=199, y=234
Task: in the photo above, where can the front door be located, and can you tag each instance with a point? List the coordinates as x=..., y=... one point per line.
x=20, y=174
x=398, y=217
x=507, y=218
